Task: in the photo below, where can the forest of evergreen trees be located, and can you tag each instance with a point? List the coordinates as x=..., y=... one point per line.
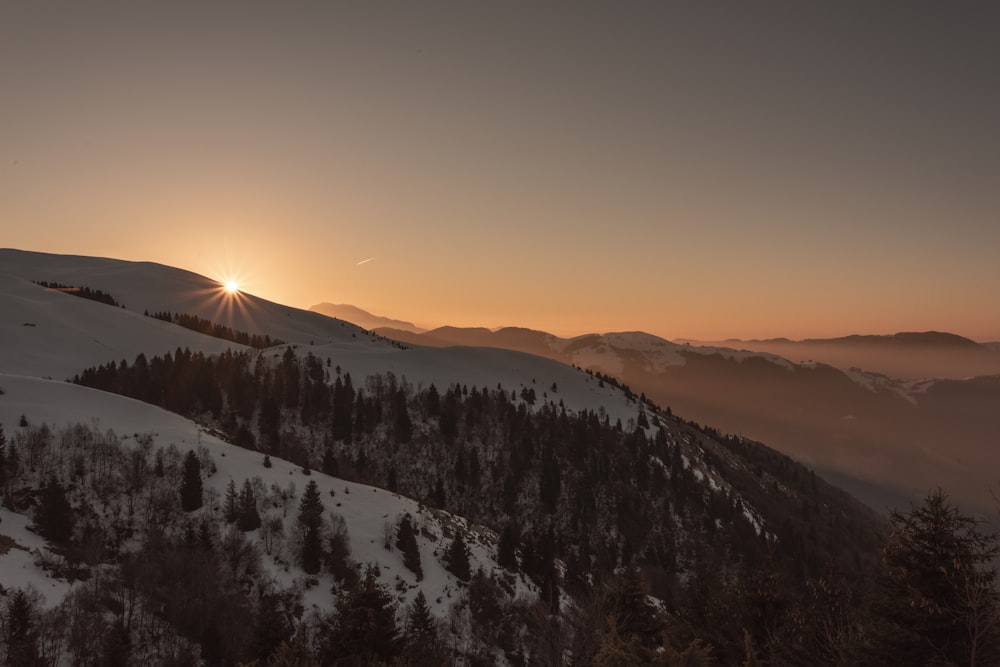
x=767, y=564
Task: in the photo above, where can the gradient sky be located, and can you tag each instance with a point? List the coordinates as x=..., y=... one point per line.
x=692, y=169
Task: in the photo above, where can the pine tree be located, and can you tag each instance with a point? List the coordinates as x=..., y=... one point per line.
x=402, y=427
x=231, y=508
x=3, y=458
x=627, y=602
x=116, y=647
x=549, y=481
x=312, y=551
x=507, y=548
x=54, y=515
x=363, y=629
x=271, y=627
x=422, y=643
x=249, y=518
x=191, y=490
x=311, y=506
x=329, y=466
x=406, y=542
x=439, y=497
x=937, y=595
x=22, y=640
x=456, y=558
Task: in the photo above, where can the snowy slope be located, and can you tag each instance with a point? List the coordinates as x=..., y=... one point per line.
x=145, y=286
x=49, y=334
x=45, y=333
x=71, y=334
x=365, y=509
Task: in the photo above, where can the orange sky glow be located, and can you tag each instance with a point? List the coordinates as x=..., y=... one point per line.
x=690, y=172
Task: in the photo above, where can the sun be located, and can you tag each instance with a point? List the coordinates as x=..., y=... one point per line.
x=231, y=286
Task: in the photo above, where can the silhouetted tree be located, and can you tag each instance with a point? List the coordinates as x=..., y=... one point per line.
x=937, y=600
x=422, y=645
x=507, y=548
x=22, y=638
x=249, y=518
x=191, y=489
x=3, y=458
x=312, y=550
x=402, y=426
x=406, y=542
x=456, y=558
x=363, y=629
x=54, y=515
x=231, y=506
x=311, y=506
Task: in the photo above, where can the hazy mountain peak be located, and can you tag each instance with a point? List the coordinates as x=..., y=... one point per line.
x=363, y=318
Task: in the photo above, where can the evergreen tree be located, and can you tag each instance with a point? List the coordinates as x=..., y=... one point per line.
x=439, y=496
x=329, y=464
x=312, y=550
x=421, y=641
x=406, y=542
x=363, y=629
x=191, y=490
x=116, y=647
x=507, y=548
x=3, y=458
x=402, y=427
x=937, y=600
x=311, y=506
x=249, y=518
x=456, y=558
x=549, y=481
x=231, y=507
x=54, y=515
x=22, y=639
x=338, y=558
x=271, y=627
x=627, y=603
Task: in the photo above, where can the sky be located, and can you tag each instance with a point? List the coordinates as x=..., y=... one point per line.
x=698, y=170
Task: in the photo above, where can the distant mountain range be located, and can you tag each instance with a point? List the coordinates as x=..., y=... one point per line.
x=905, y=356
x=362, y=317
x=833, y=404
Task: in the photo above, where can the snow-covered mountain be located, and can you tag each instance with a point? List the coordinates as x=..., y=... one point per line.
x=481, y=443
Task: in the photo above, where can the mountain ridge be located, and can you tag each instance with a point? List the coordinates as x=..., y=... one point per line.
x=362, y=317
x=855, y=423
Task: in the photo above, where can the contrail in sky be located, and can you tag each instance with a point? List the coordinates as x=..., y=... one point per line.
x=365, y=261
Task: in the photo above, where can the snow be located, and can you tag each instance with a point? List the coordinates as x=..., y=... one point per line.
x=52, y=334
x=47, y=336
x=19, y=548
x=144, y=286
x=365, y=509
x=875, y=382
